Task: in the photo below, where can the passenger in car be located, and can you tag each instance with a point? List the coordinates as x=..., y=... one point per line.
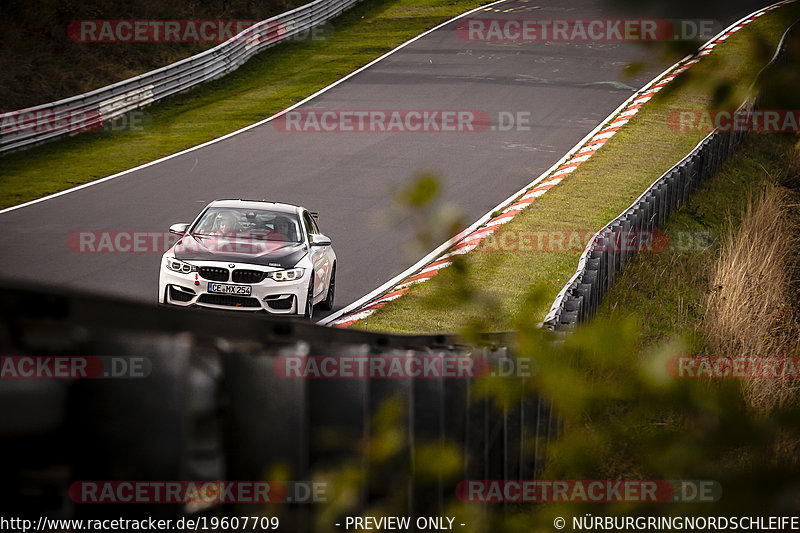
x=280, y=230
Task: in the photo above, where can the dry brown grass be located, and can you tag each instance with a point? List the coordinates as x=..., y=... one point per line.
x=750, y=308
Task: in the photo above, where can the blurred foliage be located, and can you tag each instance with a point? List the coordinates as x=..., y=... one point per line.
x=627, y=418
x=624, y=416
x=759, y=49
x=418, y=205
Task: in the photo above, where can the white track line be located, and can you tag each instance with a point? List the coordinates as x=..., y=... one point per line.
x=276, y=115
x=721, y=36
x=502, y=205
x=605, y=123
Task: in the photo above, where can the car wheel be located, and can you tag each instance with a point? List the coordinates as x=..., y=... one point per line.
x=327, y=303
x=310, y=300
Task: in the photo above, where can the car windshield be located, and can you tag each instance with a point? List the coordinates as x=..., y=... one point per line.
x=248, y=223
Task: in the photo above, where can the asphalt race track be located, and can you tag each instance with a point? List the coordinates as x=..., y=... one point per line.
x=350, y=177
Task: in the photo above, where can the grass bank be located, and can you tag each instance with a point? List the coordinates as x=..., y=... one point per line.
x=627, y=416
x=487, y=290
x=626, y=421
x=739, y=294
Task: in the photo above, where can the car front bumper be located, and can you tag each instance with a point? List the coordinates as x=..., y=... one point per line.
x=268, y=295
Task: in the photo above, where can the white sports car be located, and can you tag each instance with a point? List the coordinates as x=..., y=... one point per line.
x=250, y=256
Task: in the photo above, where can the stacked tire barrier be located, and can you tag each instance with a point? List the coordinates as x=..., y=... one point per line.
x=214, y=405
x=88, y=111
x=611, y=248
x=614, y=246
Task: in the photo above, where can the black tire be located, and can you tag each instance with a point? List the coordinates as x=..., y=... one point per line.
x=309, y=312
x=327, y=303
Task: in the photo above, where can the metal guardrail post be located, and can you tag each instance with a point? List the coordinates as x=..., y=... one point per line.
x=220, y=404
x=604, y=256
x=427, y=429
x=266, y=420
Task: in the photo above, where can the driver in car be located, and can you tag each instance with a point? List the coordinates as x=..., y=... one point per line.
x=225, y=225
x=280, y=230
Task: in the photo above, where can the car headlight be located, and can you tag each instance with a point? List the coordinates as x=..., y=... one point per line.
x=291, y=274
x=177, y=265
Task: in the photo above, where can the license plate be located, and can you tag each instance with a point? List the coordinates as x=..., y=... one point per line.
x=224, y=288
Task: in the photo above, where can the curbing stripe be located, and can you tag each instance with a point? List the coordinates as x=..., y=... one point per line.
x=347, y=317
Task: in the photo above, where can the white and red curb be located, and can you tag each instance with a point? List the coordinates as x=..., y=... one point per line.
x=473, y=236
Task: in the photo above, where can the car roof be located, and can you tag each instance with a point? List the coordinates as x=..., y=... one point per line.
x=257, y=204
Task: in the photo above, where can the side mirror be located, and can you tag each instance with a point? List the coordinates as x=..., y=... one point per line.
x=318, y=239
x=178, y=229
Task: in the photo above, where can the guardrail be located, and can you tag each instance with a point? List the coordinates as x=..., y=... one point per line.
x=88, y=111
x=214, y=405
x=607, y=252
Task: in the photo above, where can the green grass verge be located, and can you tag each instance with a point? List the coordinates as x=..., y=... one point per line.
x=488, y=291
x=269, y=82
x=666, y=292
x=626, y=418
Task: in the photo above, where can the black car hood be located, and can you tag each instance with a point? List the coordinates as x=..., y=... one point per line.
x=239, y=250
